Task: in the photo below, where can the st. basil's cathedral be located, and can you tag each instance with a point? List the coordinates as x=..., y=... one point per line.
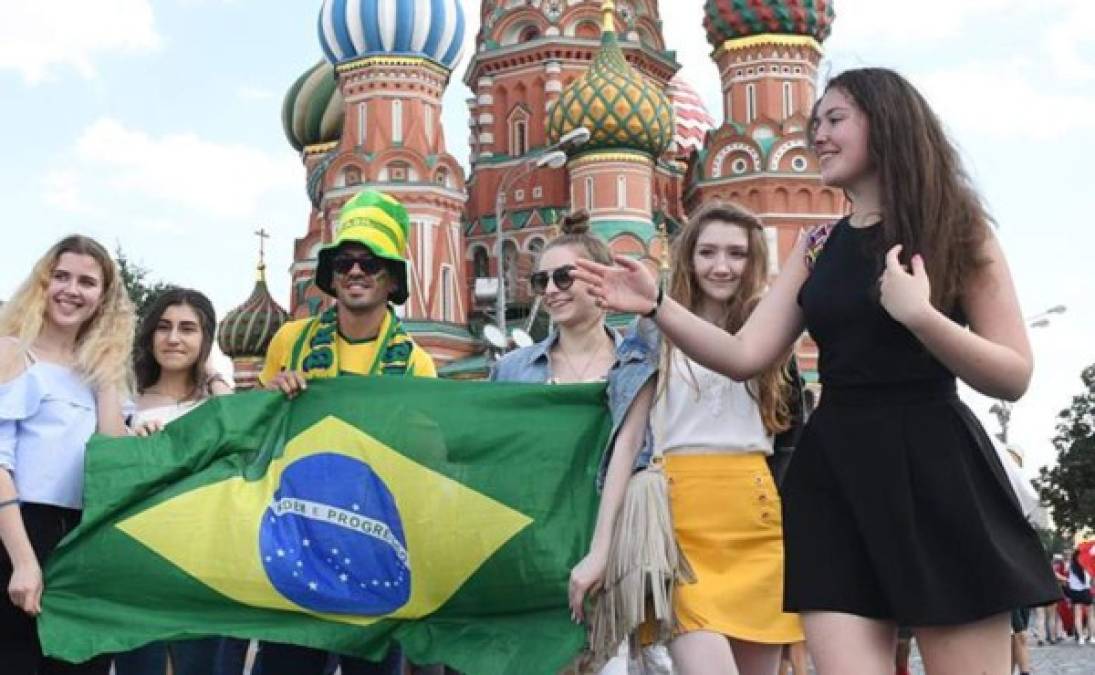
x=368, y=115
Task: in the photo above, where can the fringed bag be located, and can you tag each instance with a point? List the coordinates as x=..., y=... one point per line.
x=645, y=564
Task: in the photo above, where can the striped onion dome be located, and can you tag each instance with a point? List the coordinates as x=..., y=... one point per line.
x=354, y=29
x=693, y=120
x=248, y=329
x=622, y=108
x=730, y=19
x=313, y=110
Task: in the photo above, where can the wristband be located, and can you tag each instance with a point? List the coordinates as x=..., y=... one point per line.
x=657, y=304
x=9, y=502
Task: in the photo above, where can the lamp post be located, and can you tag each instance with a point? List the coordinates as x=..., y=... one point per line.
x=1002, y=409
x=554, y=156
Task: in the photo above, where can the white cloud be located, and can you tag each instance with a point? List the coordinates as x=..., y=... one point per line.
x=179, y=170
x=251, y=93
x=1067, y=41
x=36, y=37
x=1007, y=99
x=863, y=22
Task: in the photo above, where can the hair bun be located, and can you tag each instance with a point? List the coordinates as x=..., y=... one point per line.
x=576, y=223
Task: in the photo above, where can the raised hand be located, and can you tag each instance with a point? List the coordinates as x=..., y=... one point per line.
x=628, y=286
x=906, y=296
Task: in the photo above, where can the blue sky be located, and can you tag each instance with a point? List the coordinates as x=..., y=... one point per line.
x=156, y=124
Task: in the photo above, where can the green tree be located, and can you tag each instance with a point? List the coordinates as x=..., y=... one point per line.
x=135, y=276
x=1069, y=487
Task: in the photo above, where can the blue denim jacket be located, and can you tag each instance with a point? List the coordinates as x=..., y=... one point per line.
x=636, y=362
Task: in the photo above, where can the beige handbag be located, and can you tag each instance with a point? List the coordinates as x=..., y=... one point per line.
x=645, y=564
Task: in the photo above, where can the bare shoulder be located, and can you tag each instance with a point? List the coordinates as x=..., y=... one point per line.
x=12, y=361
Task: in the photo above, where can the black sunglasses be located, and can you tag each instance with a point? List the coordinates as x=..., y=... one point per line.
x=560, y=275
x=368, y=264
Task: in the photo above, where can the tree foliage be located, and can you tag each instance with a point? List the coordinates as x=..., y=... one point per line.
x=135, y=276
x=1069, y=487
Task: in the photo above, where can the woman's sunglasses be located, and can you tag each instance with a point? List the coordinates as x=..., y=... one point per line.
x=368, y=264
x=560, y=275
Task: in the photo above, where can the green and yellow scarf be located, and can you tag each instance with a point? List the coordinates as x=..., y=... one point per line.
x=316, y=353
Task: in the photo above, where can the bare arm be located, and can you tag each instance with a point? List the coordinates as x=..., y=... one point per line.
x=994, y=356
x=25, y=586
x=765, y=338
x=589, y=573
x=108, y=409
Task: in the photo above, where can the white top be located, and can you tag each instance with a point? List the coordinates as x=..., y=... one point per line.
x=1075, y=583
x=164, y=414
x=703, y=409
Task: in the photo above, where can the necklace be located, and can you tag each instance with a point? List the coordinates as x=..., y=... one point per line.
x=580, y=375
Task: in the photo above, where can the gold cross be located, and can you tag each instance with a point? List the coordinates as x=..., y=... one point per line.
x=263, y=235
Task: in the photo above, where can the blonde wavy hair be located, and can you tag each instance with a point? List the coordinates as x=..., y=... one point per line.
x=105, y=342
x=772, y=388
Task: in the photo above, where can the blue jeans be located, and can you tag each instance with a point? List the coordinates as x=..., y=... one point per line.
x=282, y=659
x=188, y=657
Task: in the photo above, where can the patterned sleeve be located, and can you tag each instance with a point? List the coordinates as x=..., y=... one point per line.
x=422, y=363
x=815, y=241
x=277, y=355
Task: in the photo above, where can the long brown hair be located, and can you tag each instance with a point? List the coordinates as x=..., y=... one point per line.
x=772, y=388
x=929, y=204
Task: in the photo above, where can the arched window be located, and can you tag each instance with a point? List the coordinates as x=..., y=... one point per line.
x=480, y=263
x=518, y=132
x=509, y=255
x=397, y=121
x=448, y=295
x=351, y=175
x=399, y=172
x=589, y=193
x=750, y=103
x=621, y=192
x=362, y=123
x=788, y=100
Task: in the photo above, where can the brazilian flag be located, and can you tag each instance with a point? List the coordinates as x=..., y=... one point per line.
x=443, y=515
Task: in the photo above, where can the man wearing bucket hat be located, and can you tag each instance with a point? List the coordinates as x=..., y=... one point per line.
x=365, y=271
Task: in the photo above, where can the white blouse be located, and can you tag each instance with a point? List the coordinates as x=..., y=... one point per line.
x=704, y=409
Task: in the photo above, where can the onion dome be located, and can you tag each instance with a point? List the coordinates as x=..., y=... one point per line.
x=248, y=329
x=431, y=29
x=693, y=119
x=313, y=110
x=622, y=109
x=731, y=19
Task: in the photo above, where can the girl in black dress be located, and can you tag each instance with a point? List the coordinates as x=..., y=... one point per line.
x=896, y=508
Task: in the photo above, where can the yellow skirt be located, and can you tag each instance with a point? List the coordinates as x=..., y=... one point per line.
x=726, y=513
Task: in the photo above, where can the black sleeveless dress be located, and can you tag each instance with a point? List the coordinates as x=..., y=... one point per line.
x=896, y=505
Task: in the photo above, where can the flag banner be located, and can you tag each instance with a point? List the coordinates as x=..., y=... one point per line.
x=444, y=515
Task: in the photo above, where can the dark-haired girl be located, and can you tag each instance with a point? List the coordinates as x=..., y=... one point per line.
x=170, y=360
x=896, y=507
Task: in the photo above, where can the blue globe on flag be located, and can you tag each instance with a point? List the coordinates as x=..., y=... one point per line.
x=332, y=539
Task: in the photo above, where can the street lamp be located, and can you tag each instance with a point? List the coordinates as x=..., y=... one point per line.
x=553, y=157
x=1002, y=409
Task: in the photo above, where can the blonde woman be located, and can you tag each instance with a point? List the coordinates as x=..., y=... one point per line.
x=65, y=342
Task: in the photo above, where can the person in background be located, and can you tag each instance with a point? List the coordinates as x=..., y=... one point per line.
x=1078, y=591
x=65, y=343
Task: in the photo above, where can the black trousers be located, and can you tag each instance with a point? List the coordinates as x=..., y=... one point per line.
x=20, y=649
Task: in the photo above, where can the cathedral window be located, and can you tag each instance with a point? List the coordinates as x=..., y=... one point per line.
x=397, y=121
x=518, y=132
x=480, y=263
x=448, y=294
x=788, y=100
x=621, y=192
x=351, y=175
x=750, y=103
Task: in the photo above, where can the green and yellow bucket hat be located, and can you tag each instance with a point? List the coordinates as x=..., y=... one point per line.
x=378, y=222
